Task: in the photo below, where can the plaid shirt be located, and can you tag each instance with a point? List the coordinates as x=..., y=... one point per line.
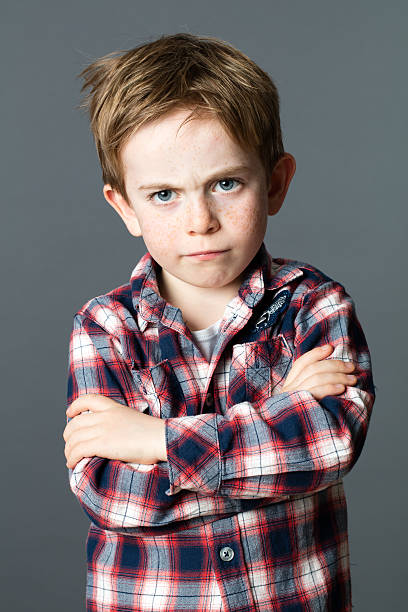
x=248, y=513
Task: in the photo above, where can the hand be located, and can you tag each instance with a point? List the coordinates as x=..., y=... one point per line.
x=313, y=372
x=113, y=431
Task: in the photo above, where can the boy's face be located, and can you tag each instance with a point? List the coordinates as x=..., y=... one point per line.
x=196, y=190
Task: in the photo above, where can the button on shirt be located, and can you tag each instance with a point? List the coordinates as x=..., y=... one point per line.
x=248, y=513
x=226, y=553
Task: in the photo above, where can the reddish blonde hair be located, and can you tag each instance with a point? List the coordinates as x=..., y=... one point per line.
x=205, y=74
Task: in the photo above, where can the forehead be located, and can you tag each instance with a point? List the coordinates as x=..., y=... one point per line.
x=168, y=145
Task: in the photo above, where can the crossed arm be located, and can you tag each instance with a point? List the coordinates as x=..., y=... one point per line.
x=299, y=440
x=106, y=428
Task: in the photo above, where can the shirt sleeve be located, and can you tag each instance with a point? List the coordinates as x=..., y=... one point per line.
x=119, y=496
x=288, y=443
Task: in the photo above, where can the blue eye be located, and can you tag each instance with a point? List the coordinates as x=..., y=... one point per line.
x=227, y=180
x=160, y=193
x=164, y=195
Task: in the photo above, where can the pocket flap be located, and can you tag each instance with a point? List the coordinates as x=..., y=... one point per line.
x=161, y=389
x=258, y=369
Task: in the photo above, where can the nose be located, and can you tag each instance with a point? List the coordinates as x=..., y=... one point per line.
x=200, y=217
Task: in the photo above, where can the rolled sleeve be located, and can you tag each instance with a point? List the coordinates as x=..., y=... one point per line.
x=193, y=453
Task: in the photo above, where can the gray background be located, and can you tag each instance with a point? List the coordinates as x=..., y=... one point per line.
x=341, y=72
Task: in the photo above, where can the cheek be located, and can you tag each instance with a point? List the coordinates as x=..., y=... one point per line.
x=246, y=219
x=159, y=232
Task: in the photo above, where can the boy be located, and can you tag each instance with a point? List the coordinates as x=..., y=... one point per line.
x=213, y=411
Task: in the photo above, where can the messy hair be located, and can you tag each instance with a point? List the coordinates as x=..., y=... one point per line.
x=203, y=74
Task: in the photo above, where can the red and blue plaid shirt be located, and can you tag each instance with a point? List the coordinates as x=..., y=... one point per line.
x=248, y=513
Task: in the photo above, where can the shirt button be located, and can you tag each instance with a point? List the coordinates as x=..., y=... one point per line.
x=226, y=553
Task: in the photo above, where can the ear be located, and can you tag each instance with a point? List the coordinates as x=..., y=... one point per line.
x=124, y=210
x=279, y=182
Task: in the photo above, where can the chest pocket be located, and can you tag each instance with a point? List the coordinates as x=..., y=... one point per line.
x=258, y=369
x=160, y=388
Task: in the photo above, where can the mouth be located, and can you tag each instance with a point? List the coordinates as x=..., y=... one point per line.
x=206, y=254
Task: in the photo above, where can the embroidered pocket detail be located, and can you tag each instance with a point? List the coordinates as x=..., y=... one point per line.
x=161, y=389
x=258, y=369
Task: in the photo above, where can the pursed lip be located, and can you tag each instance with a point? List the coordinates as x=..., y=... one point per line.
x=206, y=252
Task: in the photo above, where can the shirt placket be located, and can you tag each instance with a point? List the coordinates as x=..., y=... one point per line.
x=228, y=329
x=227, y=557
x=238, y=317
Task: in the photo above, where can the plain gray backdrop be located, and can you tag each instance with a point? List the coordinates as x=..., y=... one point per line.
x=341, y=71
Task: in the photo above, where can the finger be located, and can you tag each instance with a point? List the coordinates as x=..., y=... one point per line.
x=81, y=404
x=72, y=467
x=80, y=449
x=85, y=420
x=308, y=358
x=322, y=391
x=333, y=365
x=329, y=378
x=93, y=402
x=326, y=366
x=78, y=437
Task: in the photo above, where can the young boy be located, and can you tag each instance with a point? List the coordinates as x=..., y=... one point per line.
x=217, y=400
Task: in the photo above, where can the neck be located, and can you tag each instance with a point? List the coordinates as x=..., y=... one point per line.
x=200, y=306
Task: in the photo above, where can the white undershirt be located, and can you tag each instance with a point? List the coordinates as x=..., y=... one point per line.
x=206, y=338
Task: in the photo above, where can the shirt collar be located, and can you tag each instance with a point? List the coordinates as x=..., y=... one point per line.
x=262, y=273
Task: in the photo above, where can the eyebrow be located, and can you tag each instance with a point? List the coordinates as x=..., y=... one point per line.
x=222, y=172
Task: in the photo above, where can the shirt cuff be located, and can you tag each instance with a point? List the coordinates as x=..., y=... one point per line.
x=193, y=453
